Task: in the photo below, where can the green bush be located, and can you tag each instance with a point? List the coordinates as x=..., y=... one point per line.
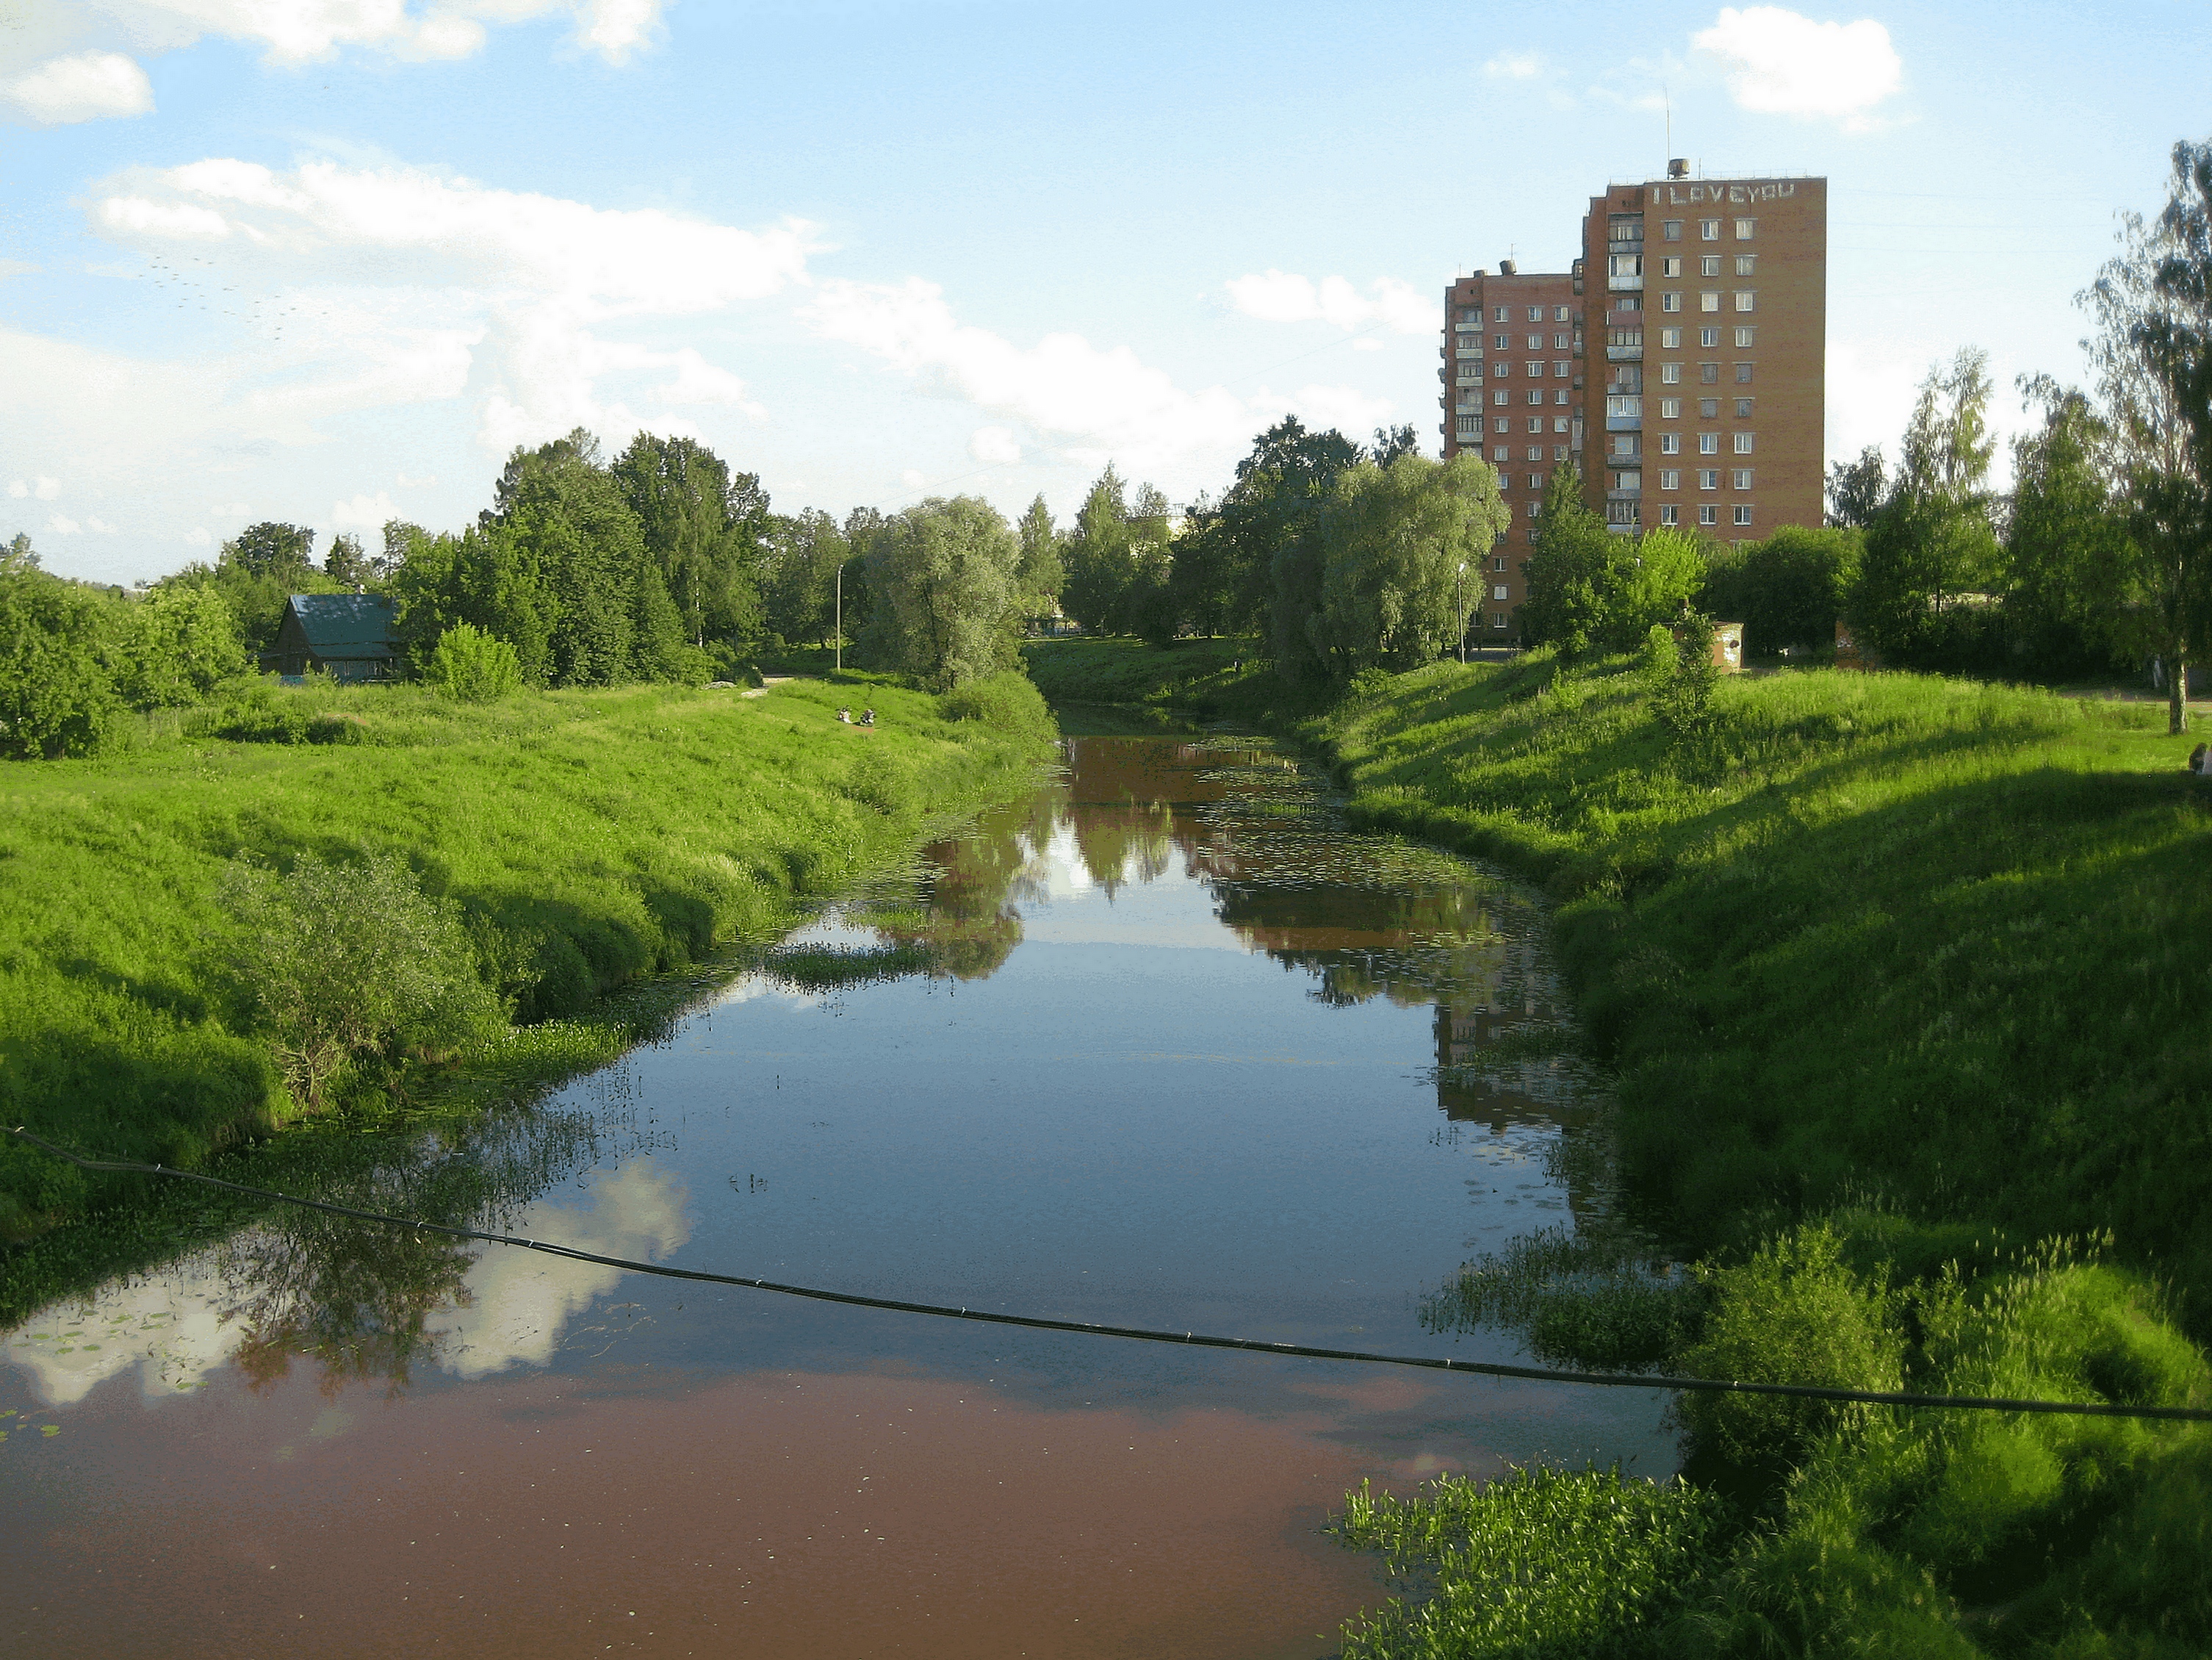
x=56, y=694
x=1007, y=700
x=470, y=666
x=348, y=963
x=1538, y=1564
x=1795, y=1313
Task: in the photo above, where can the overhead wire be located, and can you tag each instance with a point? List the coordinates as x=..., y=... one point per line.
x=1149, y=1334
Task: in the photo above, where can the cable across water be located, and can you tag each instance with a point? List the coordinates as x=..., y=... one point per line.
x=1145, y=1334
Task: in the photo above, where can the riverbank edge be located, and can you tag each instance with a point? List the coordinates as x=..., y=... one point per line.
x=130, y=1224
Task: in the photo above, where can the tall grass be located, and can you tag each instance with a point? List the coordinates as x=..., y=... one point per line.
x=586, y=839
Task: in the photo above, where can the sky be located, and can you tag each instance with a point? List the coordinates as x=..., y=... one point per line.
x=329, y=261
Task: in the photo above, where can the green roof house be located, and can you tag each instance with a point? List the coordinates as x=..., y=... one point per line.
x=348, y=636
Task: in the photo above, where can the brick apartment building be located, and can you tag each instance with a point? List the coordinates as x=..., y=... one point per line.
x=1699, y=399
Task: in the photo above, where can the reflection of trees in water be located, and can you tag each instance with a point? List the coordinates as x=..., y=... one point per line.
x=964, y=921
x=359, y=1299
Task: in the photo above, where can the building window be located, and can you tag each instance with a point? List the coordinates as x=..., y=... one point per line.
x=1536, y=342
x=1535, y=479
x=1744, y=262
x=1560, y=396
x=1469, y=426
x=1560, y=424
x=1535, y=509
x=1709, y=230
x=1743, y=408
x=1744, y=228
x=1670, y=303
x=1710, y=373
x=1500, y=396
x=1669, y=480
x=1670, y=374
x=1743, y=443
x=1670, y=340
x=1743, y=338
x=1743, y=513
x=1669, y=514
x=1559, y=368
x=1499, y=454
x=1670, y=230
x=1499, y=316
x=1537, y=422
x=1535, y=394
x=1709, y=337
x=1709, y=514
x=1500, y=342
x=1709, y=265
x=1671, y=265
x=1497, y=617
x=1746, y=299
x=1740, y=479
x=1535, y=369
x=1709, y=478
x=1560, y=342
x=1560, y=450
x=1498, y=563
x=1558, y=314
x=1504, y=425
x=1623, y=443
x=1743, y=374
x=1535, y=313
x=1670, y=443
x=1708, y=300
x=1670, y=409
x=1709, y=443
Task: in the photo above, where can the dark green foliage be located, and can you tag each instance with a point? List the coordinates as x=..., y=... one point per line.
x=707, y=531
x=1569, y=571
x=1598, y=1303
x=1857, y=490
x=1007, y=701
x=1683, y=697
x=1538, y=1564
x=1788, y=590
x=346, y=965
x=346, y=564
x=945, y=606
x=57, y=694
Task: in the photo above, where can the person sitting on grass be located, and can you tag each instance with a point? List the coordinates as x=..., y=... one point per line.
x=2200, y=764
x=845, y=714
x=868, y=719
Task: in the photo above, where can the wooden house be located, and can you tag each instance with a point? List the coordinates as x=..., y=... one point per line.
x=348, y=636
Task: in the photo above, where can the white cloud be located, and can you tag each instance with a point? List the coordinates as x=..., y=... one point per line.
x=1103, y=404
x=618, y=28
x=84, y=85
x=16, y=268
x=63, y=525
x=363, y=511
x=994, y=445
x=101, y=525
x=235, y=510
x=1277, y=296
x=423, y=482
x=1514, y=66
x=199, y=538
x=913, y=480
x=45, y=489
x=1778, y=63
x=404, y=286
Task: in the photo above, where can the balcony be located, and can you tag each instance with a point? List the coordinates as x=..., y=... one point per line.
x=1623, y=354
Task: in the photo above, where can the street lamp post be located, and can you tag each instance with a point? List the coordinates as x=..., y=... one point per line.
x=1459, y=595
x=840, y=617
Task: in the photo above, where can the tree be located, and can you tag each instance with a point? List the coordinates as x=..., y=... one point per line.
x=1933, y=549
x=18, y=555
x=1856, y=490
x=345, y=563
x=1269, y=565
x=56, y=696
x=706, y=528
x=471, y=666
x=943, y=576
x=2152, y=352
x=176, y=645
x=805, y=553
x=566, y=542
x=1097, y=556
x=1569, y=569
x=1394, y=539
x=1391, y=442
x=2067, y=551
x=1650, y=580
x=1042, y=574
x=1787, y=590
x=282, y=553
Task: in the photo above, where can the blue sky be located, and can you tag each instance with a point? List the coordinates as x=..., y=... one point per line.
x=327, y=260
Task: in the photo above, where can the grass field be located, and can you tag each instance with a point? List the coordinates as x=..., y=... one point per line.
x=1906, y=984
x=591, y=839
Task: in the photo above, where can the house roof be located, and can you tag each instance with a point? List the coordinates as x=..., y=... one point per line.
x=345, y=624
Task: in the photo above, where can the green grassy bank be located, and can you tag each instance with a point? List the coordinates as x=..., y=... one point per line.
x=586, y=840
x=1907, y=985
x=1215, y=679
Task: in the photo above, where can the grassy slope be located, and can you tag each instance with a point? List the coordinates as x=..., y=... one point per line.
x=1899, y=936
x=1195, y=676
x=616, y=833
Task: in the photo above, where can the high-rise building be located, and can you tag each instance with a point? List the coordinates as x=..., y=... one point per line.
x=1702, y=388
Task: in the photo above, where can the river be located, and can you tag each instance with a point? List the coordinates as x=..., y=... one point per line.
x=1163, y=1045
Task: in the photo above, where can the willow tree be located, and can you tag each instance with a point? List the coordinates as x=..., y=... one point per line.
x=944, y=579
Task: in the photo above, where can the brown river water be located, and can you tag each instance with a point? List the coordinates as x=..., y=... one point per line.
x=1164, y=1045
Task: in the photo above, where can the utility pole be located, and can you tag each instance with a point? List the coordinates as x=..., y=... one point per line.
x=840, y=617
